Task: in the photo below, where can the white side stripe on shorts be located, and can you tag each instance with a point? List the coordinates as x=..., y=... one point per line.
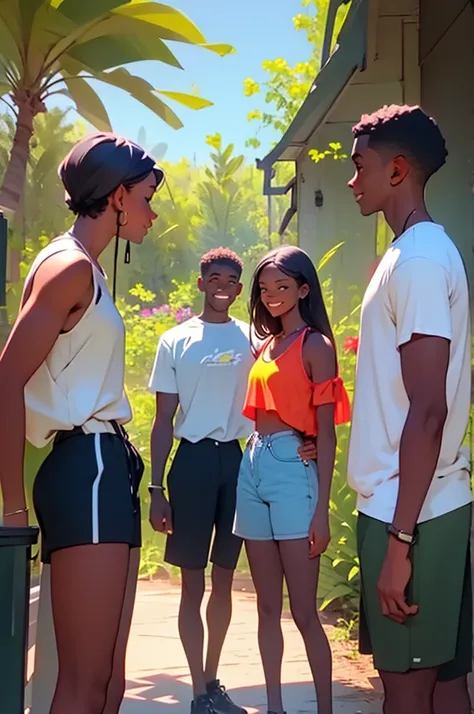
x=95, y=489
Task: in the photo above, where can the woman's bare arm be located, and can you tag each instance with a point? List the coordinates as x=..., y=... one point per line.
x=59, y=286
x=320, y=361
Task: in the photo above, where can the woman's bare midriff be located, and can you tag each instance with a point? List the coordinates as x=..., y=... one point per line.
x=269, y=423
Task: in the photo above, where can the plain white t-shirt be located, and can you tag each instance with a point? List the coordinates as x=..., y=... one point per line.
x=420, y=286
x=207, y=365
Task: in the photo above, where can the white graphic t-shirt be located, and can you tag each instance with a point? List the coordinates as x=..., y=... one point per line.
x=207, y=366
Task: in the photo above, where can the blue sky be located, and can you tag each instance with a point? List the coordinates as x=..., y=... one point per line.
x=259, y=30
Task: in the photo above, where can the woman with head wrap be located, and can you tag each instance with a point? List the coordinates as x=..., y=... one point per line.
x=62, y=381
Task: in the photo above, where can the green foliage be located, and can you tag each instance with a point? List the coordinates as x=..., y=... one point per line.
x=186, y=294
x=198, y=209
x=287, y=86
x=43, y=213
x=339, y=579
x=47, y=44
x=53, y=138
x=54, y=47
x=339, y=576
x=334, y=151
x=230, y=208
x=159, y=290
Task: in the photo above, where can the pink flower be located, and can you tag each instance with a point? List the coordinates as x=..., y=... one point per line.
x=146, y=312
x=351, y=344
x=183, y=314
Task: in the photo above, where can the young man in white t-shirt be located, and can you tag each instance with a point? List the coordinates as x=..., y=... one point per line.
x=200, y=372
x=411, y=409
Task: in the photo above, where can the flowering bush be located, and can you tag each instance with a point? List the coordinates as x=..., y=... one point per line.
x=351, y=344
x=180, y=315
x=339, y=578
x=146, y=321
x=151, y=311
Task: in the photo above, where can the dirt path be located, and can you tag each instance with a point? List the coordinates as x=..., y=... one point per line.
x=158, y=681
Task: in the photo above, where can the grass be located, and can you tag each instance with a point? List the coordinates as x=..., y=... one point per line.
x=345, y=630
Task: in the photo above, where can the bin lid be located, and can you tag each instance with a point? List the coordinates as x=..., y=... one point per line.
x=18, y=536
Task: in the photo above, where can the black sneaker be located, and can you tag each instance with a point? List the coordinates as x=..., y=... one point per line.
x=221, y=702
x=202, y=705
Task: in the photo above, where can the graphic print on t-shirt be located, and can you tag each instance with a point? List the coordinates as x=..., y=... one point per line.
x=207, y=366
x=222, y=359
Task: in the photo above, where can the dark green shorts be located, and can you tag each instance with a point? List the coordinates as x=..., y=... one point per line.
x=440, y=634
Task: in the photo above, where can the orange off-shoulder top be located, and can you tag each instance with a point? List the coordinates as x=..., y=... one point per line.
x=282, y=385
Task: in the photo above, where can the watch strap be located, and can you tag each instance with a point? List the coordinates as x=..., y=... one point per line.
x=402, y=536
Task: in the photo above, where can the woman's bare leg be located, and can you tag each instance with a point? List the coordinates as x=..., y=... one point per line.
x=116, y=689
x=45, y=675
x=267, y=576
x=88, y=585
x=302, y=575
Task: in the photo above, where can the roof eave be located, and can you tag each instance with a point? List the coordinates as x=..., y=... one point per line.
x=348, y=57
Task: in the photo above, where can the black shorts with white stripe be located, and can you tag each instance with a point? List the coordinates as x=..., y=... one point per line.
x=86, y=492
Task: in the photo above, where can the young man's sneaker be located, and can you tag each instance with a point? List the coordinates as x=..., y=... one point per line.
x=221, y=702
x=202, y=705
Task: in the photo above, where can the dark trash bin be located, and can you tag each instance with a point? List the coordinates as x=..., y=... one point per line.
x=15, y=567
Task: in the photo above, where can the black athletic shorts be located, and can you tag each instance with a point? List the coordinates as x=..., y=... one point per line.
x=86, y=491
x=202, y=486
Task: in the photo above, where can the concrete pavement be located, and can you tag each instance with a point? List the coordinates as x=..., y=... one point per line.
x=157, y=676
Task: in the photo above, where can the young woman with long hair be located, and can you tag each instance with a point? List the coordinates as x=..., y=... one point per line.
x=294, y=392
x=62, y=381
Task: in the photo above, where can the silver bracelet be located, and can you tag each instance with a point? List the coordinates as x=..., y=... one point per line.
x=155, y=487
x=15, y=513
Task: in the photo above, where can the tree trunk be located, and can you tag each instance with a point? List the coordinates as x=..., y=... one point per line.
x=11, y=191
x=15, y=175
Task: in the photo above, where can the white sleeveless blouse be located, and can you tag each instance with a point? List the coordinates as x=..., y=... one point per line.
x=81, y=382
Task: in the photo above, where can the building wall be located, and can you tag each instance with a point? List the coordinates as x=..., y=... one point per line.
x=447, y=72
x=339, y=219
x=392, y=76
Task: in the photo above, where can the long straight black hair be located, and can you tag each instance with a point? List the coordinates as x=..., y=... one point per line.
x=297, y=264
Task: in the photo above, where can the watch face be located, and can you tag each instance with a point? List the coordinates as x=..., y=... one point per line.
x=400, y=535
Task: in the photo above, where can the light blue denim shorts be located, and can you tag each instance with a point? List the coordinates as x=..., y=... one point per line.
x=276, y=492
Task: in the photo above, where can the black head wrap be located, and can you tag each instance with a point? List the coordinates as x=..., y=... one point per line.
x=96, y=166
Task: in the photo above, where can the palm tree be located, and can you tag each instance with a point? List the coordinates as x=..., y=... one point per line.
x=41, y=213
x=52, y=47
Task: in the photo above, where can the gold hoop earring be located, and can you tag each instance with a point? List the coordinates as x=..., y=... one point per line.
x=123, y=218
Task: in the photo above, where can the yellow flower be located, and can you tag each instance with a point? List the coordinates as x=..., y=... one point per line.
x=251, y=87
x=274, y=66
x=302, y=22
x=255, y=114
x=298, y=90
x=214, y=140
x=300, y=68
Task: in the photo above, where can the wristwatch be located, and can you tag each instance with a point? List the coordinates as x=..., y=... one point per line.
x=401, y=535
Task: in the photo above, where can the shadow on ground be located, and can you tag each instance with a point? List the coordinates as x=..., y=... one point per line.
x=158, y=676
x=166, y=694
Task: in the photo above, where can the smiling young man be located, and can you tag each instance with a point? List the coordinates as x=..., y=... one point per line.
x=409, y=420
x=201, y=370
